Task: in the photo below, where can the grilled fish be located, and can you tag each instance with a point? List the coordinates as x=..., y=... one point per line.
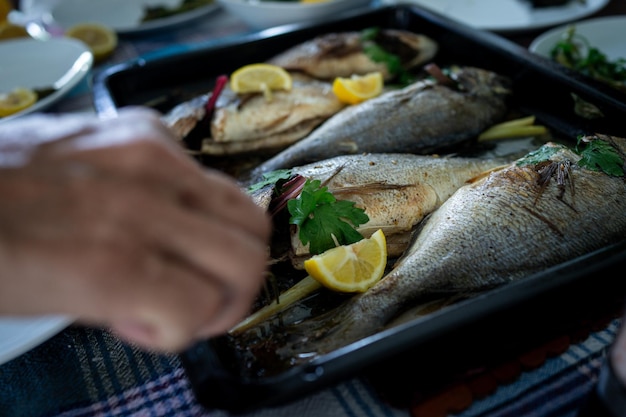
x=396, y=190
x=421, y=118
x=343, y=54
x=246, y=123
x=512, y=223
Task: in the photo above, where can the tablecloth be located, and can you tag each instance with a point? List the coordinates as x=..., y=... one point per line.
x=85, y=372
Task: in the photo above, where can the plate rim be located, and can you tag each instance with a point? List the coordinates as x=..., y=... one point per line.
x=84, y=58
x=38, y=330
x=588, y=10
x=44, y=10
x=585, y=24
x=172, y=21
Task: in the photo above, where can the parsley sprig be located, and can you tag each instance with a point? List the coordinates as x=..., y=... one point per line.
x=378, y=53
x=596, y=154
x=599, y=155
x=574, y=51
x=324, y=221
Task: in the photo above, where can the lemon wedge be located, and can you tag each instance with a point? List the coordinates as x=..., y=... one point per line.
x=5, y=9
x=100, y=39
x=260, y=78
x=9, y=30
x=350, y=268
x=16, y=101
x=358, y=88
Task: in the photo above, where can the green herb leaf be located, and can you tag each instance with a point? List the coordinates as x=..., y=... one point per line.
x=377, y=53
x=574, y=51
x=540, y=155
x=270, y=178
x=599, y=155
x=322, y=218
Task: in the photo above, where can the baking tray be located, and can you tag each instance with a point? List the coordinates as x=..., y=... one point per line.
x=430, y=347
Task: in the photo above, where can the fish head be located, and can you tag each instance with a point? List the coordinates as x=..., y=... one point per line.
x=481, y=82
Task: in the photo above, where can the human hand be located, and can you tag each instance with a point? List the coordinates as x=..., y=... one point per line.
x=111, y=223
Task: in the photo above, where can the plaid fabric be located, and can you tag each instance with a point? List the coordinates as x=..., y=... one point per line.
x=556, y=389
x=85, y=372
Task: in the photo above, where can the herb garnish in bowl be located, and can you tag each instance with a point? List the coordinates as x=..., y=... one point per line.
x=575, y=52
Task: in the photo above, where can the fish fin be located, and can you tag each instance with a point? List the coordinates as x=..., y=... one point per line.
x=486, y=173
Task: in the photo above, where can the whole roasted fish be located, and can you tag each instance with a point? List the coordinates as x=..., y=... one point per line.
x=344, y=54
x=396, y=190
x=421, y=118
x=540, y=211
x=245, y=123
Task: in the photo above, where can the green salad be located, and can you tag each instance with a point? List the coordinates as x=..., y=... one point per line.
x=574, y=51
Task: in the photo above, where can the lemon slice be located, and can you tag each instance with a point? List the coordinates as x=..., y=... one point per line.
x=358, y=88
x=9, y=30
x=260, y=78
x=350, y=268
x=17, y=100
x=5, y=9
x=100, y=39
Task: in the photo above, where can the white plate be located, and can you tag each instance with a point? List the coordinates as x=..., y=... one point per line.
x=604, y=33
x=19, y=335
x=59, y=62
x=509, y=15
x=124, y=16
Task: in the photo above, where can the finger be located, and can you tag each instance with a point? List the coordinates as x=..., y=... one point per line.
x=160, y=306
x=205, y=310
x=136, y=154
x=216, y=194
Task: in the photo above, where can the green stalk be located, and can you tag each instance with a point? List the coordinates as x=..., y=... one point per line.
x=512, y=129
x=303, y=288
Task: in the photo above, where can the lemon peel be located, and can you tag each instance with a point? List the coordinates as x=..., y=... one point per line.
x=350, y=268
x=17, y=100
x=101, y=39
x=260, y=78
x=5, y=8
x=9, y=30
x=358, y=88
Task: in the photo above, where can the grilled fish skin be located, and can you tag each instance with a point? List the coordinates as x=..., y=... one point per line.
x=246, y=123
x=506, y=226
x=421, y=118
x=342, y=54
x=184, y=117
x=396, y=190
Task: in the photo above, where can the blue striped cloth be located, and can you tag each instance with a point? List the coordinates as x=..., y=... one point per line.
x=84, y=372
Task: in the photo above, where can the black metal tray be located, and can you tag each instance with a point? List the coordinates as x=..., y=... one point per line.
x=463, y=333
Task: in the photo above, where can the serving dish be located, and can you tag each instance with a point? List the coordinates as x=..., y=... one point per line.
x=603, y=33
x=264, y=14
x=58, y=63
x=507, y=16
x=18, y=335
x=426, y=346
x=124, y=16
